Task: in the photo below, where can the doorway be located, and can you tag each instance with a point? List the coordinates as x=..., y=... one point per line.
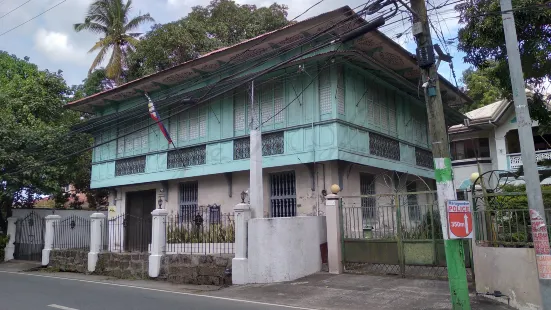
x=138, y=224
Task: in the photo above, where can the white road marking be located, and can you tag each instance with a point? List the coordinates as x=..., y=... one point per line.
x=158, y=290
x=61, y=307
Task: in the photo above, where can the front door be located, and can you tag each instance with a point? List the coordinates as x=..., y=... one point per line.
x=139, y=206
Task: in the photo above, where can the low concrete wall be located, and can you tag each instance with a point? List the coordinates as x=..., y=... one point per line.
x=285, y=249
x=512, y=271
x=177, y=268
x=69, y=260
x=196, y=269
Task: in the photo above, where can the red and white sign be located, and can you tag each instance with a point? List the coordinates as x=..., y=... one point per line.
x=460, y=219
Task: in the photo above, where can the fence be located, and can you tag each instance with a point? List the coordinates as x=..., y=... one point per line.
x=207, y=232
x=505, y=228
x=396, y=234
x=127, y=233
x=72, y=232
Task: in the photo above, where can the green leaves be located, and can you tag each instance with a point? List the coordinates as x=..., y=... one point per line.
x=483, y=40
x=35, y=128
x=221, y=23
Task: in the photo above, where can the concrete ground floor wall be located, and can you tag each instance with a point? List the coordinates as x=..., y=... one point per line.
x=512, y=271
x=312, y=181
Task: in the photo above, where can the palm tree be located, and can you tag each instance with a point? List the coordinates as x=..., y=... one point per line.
x=109, y=18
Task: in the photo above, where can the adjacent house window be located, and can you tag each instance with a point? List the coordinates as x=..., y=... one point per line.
x=189, y=192
x=133, y=139
x=381, y=110
x=369, y=204
x=470, y=149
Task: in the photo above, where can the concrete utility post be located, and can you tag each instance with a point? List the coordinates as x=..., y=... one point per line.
x=531, y=174
x=255, y=179
x=455, y=256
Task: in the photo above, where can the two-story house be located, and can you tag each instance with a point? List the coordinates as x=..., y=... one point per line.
x=489, y=141
x=341, y=114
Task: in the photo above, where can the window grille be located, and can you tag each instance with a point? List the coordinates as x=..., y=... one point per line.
x=272, y=144
x=191, y=156
x=283, y=194
x=189, y=192
x=130, y=166
x=384, y=147
x=325, y=91
x=340, y=90
x=414, y=210
x=423, y=158
x=369, y=204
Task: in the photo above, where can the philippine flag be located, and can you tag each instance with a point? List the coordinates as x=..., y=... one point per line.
x=155, y=117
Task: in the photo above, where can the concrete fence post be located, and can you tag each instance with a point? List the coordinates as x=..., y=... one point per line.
x=51, y=221
x=240, y=266
x=158, y=241
x=9, y=250
x=97, y=223
x=334, y=234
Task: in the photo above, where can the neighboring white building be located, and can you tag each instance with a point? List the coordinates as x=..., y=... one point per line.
x=489, y=141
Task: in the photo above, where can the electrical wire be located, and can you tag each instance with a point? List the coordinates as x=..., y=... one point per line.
x=294, y=58
x=15, y=9
x=32, y=18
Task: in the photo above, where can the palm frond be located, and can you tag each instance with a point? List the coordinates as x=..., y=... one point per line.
x=113, y=69
x=99, y=58
x=137, y=21
x=91, y=26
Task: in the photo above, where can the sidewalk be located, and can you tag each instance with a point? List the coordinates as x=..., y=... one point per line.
x=321, y=291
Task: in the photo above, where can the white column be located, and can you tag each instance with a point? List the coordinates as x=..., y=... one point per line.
x=334, y=246
x=158, y=241
x=51, y=220
x=97, y=224
x=256, y=185
x=240, y=266
x=501, y=153
x=9, y=250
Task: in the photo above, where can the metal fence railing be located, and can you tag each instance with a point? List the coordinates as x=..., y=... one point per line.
x=505, y=227
x=207, y=232
x=127, y=233
x=72, y=232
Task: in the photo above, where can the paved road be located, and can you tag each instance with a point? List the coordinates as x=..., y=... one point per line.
x=20, y=291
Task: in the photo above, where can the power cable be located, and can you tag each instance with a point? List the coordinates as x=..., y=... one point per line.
x=15, y=9
x=344, y=37
x=36, y=16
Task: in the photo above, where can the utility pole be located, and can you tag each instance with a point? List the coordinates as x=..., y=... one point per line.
x=455, y=256
x=256, y=194
x=529, y=163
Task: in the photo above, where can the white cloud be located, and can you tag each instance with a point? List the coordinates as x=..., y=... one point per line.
x=57, y=47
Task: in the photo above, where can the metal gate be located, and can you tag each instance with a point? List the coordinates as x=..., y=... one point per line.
x=29, y=237
x=283, y=194
x=395, y=234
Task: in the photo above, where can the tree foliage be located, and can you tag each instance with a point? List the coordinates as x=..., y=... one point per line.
x=110, y=19
x=221, y=23
x=483, y=40
x=35, y=129
x=481, y=87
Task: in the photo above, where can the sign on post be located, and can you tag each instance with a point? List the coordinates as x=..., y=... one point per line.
x=460, y=219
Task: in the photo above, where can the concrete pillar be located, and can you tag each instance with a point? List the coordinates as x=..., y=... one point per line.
x=256, y=193
x=51, y=220
x=158, y=241
x=334, y=246
x=501, y=153
x=97, y=224
x=9, y=250
x=240, y=265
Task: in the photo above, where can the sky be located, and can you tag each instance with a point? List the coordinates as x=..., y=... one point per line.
x=51, y=43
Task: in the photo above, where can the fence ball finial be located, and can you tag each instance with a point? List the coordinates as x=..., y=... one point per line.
x=335, y=189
